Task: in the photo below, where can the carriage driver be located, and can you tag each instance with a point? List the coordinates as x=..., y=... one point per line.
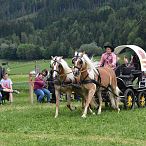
x=108, y=59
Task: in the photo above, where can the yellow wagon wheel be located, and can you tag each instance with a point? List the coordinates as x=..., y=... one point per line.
x=141, y=99
x=129, y=99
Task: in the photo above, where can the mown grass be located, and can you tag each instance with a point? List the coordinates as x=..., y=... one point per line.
x=26, y=124
x=34, y=125
x=24, y=67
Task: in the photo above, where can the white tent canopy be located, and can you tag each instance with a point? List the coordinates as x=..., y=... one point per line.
x=139, y=51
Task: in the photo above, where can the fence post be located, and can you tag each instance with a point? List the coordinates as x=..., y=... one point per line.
x=31, y=84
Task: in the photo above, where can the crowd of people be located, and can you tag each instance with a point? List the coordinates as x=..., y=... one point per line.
x=43, y=84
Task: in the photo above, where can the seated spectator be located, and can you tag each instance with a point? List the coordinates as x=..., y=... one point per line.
x=135, y=62
x=39, y=88
x=6, y=88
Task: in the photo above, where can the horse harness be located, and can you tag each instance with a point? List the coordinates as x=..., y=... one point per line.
x=94, y=81
x=98, y=84
x=65, y=82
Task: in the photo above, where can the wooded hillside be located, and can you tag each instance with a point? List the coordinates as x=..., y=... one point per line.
x=34, y=29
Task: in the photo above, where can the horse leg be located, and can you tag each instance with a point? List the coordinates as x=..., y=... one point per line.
x=57, y=102
x=92, y=104
x=83, y=102
x=90, y=110
x=117, y=104
x=117, y=99
x=100, y=102
x=69, y=101
x=89, y=98
x=114, y=100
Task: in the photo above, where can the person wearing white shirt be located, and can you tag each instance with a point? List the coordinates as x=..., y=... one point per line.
x=6, y=84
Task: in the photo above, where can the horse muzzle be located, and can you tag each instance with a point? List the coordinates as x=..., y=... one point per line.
x=76, y=72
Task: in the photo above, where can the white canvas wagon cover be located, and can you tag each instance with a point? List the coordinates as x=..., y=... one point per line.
x=139, y=51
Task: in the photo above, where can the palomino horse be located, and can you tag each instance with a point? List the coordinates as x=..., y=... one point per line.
x=95, y=80
x=66, y=81
x=63, y=74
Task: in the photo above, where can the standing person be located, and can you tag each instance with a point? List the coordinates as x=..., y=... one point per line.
x=45, y=74
x=6, y=85
x=108, y=59
x=51, y=86
x=39, y=88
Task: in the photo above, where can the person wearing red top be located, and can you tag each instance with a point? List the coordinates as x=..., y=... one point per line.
x=39, y=89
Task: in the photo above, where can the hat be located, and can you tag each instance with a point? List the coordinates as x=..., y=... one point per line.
x=108, y=45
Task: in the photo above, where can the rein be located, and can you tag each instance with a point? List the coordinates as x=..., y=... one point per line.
x=66, y=73
x=97, y=83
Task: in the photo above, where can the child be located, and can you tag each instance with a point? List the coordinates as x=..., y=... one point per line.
x=6, y=88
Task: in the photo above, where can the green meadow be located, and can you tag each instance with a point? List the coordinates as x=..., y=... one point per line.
x=26, y=124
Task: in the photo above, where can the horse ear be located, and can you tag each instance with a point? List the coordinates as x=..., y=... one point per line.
x=52, y=57
x=83, y=52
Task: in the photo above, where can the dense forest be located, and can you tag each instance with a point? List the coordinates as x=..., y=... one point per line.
x=35, y=29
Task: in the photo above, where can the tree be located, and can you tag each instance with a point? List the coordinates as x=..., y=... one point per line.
x=101, y=39
x=4, y=48
x=28, y=51
x=91, y=49
x=56, y=27
x=139, y=42
x=24, y=38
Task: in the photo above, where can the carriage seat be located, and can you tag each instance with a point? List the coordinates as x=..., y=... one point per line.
x=136, y=72
x=127, y=75
x=128, y=70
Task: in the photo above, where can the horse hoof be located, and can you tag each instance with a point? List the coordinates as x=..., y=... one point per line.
x=99, y=113
x=74, y=108
x=55, y=116
x=83, y=116
x=93, y=113
x=118, y=110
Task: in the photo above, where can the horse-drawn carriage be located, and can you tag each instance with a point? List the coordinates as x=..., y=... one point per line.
x=102, y=82
x=131, y=79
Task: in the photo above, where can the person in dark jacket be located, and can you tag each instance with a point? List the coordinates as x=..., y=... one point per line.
x=51, y=86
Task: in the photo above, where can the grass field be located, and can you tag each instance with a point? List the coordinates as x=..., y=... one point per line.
x=34, y=125
x=26, y=124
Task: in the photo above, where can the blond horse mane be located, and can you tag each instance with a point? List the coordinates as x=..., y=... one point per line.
x=91, y=66
x=67, y=69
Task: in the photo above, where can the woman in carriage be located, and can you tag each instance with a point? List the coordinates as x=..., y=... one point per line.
x=108, y=59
